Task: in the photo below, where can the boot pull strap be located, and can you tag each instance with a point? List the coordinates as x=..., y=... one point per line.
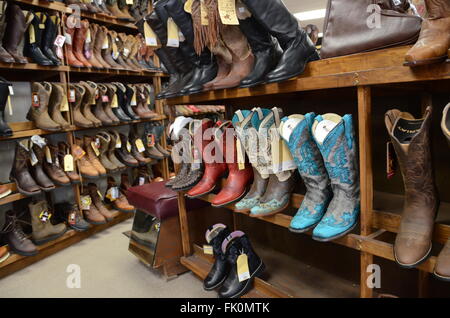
x=276, y=115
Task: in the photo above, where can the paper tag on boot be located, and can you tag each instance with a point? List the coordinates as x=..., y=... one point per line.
x=86, y=202
x=240, y=154
x=68, y=163
x=150, y=140
x=172, y=34
x=60, y=40
x=139, y=145
x=130, y=2
x=242, y=268
x=150, y=36
x=227, y=11
x=118, y=143
x=78, y=152
x=112, y=193
x=188, y=6
x=88, y=36
x=45, y=216
x=35, y=102
x=95, y=148
x=208, y=250
x=203, y=13
x=64, y=105
x=31, y=33
x=141, y=181
x=72, y=96
x=68, y=39
x=48, y=155
x=128, y=146
x=114, y=102
x=33, y=158
x=10, y=110
x=105, y=44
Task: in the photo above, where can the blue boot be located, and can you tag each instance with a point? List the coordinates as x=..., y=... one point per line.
x=296, y=131
x=337, y=144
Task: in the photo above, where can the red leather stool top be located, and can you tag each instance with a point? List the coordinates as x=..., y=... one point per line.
x=158, y=200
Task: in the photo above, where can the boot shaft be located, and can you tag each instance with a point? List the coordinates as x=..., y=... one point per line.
x=41, y=96
x=17, y=21
x=437, y=9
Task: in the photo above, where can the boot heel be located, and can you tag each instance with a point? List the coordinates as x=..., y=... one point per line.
x=314, y=57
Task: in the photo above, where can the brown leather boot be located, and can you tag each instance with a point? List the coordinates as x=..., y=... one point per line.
x=124, y=152
x=114, y=9
x=17, y=22
x=122, y=52
x=89, y=48
x=442, y=267
x=125, y=11
x=38, y=112
x=107, y=53
x=87, y=170
x=117, y=198
x=100, y=37
x=20, y=173
x=141, y=110
x=5, y=57
x=90, y=212
x=107, y=108
x=126, y=53
x=105, y=140
x=37, y=170
x=92, y=155
x=411, y=140
x=52, y=167
x=69, y=27
x=17, y=241
x=78, y=117
x=434, y=38
x=78, y=42
x=114, y=135
x=124, y=182
x=89, y=100
x=224, y=68
x=242, y=58
x=57, y=98
x=138, y=153
x=97, y=200
x=63, y=150
x=98, y=109
x=43, y=230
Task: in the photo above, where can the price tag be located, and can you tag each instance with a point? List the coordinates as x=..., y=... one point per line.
x=78, y=152
x=105, y=99
x=72, y=98
x=140, y=145
x=35, y=100
x=64, y=105
x=33, y=158
x=99, y=194
x=48, y=155
x=11, y=90
x=115, y=51
x=150, y=36
x=68, y=38
x=128, y=146
x=59, y=53
x=59, y=41
x=188, y=6
x=95, y=148
x=105, y=44
x=227, y=12
x=118, y=143
x=133, y=99
x=141, y=181
x=88, y=36
x=10, y=111
x=68, y=163
x=242, y=267
x=72, y=219
x=112, y=193
x=240, y=154
x=31, y=34
x=86, y=202
x=172, y=34
x=45, y=216
x=42, y=26
x=150, y=140
x=114, y=102
x=203, y=13
x=208, y=250
x=130, y=2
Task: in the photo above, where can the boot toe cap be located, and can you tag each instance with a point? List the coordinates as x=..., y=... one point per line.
x=409, y=253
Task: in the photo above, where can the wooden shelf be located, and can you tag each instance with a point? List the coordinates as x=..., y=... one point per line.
x=109, y=20
x=114, y=72
x=33, y=67
x=16, y=262
x=57, y=6
x=373, y=68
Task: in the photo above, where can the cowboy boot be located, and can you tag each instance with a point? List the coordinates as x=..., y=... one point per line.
x=124, y=8
x=90, y=93
x=213, y=170
x=233, y=246
x=52, y=167
x=91, y=147
x=215, y=235
x=138, y=152
x=124, y=182
x=297, y=47
x=116, y=198
x=43, y=230
x=86, y=168
x=57, y=98
x=445, y=124
x=107, y=53
x=69, y=29
x=71, y=214
x=119, y=111
x=20, y=173
x=114, y=135
x=434, y=38
x=5, y=57
x=17, y=22
x=38, y=112
x=49, y=36
x=37, y=170
x=107, y=98
x=33, y=40
x=89, y=47
x=124, y=152
x=16, y=239
x=97, y=200
x=99, y=112
x=128, y=107
x=122, y=51
x=411, y=140
x=223, y=69
x=114, y=9
x=78, y=43
x=91, y=214
x=105, y=140
x=63, y=150
x=78, y=117
x=5, y=130
x=100, y=37
x=142, y=177
x=238, y=177
x=141, y=110
x=242, y=57
x=296, y=131
x=151, y=138
x=246, y=124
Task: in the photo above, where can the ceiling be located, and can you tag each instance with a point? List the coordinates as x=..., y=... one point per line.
x=307, y=5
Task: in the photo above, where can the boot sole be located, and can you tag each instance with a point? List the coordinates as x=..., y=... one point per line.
x=4, y=194
x=200, y=195
x=441, y=278
x=230, y=202
x=47, y=189
x=411, y=266
x=21, y=253
x=78, y=229
x=48, y=239
x=252, y=85
x=90, y=177
x=270, y=213
x=298, y=231
x=25, y=192
x=96, y=223
x=61, y=184
x=6, y=135
x=5, y=257
x=125, y=211
x=426, y=62
x=313, y=57
x=219, y=284
x=247, y=286
x=319, y=239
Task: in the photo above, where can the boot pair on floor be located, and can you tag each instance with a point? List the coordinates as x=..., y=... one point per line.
x=39, y=29
x=412, y=144
x=39, y=166
x=225, y=274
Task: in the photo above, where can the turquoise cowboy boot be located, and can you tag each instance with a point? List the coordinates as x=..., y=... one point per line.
x=334, y=136
x=296, y=131
x=281, y=183
x=246, y=124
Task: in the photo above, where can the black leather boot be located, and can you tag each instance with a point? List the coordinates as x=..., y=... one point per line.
x=48, y=38
x=215, y=235
x=127, y=108
x=121, y=101
x=5, y=130
x=205, y=66
x=238, y=243
x=33, y=40
x=265, y=48
x=298, y=48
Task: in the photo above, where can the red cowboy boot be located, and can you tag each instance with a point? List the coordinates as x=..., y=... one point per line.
x=238, y=179
x=213, y=170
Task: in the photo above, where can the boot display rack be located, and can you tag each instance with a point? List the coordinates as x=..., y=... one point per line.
x=35, y=72
x=359, y=74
